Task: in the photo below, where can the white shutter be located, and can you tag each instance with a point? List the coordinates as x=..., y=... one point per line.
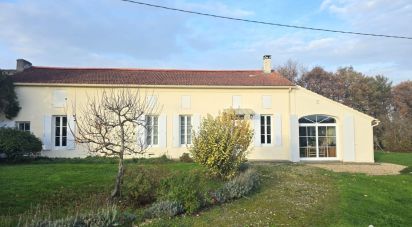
x=348, y=139
x=141, y=132
x=8, y=124
x=277, y=129
x=162, y=131
x=196, y=122
x=294, y=138
x=256, y=123
x=71, y=143
x=176, y=133
x=47, y=132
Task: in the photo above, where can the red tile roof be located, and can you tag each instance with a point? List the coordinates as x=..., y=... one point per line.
x=50, y=75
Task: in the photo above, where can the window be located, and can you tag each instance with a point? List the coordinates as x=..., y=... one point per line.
x=317, y=136
x=59, y=98
x=60, y=131
x=185, y=129
x=185, y=102
x=152, y=124
x=23, y=125
x=265, y=129
x=236, y=101
x=267, y=102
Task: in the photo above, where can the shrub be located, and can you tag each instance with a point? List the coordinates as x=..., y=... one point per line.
x=104, y=217
x=141, y=183
x=239, y=186
x=186, y=189
x=185, y=158
x=15, y=143
x=164, y=209
x=221, y=144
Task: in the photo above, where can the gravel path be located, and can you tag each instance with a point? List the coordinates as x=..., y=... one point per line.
x=369, y=169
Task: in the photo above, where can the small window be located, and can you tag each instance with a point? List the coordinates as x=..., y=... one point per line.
x=59, y=98
x=265, y=129
x=185, y=129
x=23, y=126
x=186, y=102
x=60, y=131
x=236, y=101
x=266, y=101
x=152, y=135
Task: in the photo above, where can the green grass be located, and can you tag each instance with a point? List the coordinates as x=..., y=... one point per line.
x=290, y=194
x=294, y=195
x=377, y=200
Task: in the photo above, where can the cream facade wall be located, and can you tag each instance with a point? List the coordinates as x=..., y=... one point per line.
x=287, y=103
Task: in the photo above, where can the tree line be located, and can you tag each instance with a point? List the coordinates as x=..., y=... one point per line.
x=376, y=96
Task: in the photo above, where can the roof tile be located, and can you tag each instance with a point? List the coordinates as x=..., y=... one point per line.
x=52, y=75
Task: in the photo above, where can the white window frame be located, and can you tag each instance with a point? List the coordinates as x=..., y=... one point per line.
x=187, y=132
x=60, y=146
x=150, y=132
x=316, y=125
x=265, y=133
x=18, y=123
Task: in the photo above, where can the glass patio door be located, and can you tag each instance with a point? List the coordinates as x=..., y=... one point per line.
x=317, y=137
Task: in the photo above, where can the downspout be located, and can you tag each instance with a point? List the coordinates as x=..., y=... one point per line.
x=375, y=122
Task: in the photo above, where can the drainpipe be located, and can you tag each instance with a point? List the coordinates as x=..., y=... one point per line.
x=375, y=122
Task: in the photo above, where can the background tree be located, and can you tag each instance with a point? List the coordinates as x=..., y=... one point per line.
x=110, y=124
x=398, y=129
x=9, y=105
x=402, y=98
x=291, y=70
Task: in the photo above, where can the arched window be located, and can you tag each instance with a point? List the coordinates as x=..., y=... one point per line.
x=317, y=137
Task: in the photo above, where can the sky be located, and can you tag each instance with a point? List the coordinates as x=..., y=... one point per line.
x=112, y=33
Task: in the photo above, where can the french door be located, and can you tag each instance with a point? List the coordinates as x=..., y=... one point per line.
x=317, y=140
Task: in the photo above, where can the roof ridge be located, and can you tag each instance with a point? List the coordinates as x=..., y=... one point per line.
x=148, y=69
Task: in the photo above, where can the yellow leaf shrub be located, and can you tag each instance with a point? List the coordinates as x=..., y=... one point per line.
x=221, y=144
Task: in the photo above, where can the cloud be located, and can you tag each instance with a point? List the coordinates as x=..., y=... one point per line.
x=116, y=34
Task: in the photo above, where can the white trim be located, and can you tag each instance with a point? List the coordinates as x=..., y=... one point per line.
x=316, y=125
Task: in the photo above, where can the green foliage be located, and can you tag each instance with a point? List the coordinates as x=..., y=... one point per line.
x=141, y=183
x=9, y=105
x=241, y=185
x=185, y=158
x=164, y=209
x=103, y=217
x=221, y=144
x=17, y=143
x=184, y=188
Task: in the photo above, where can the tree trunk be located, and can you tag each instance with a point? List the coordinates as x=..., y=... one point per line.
x=116, y=191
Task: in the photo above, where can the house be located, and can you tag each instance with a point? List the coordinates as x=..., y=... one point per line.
x=290, y=123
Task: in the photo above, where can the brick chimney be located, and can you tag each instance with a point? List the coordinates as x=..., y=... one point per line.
x=267, y=63
x=22, y=65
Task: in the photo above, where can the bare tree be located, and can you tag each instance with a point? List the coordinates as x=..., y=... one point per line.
x=112, y=124
x=292, y=70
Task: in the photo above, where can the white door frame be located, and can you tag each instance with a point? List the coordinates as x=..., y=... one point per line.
x=317, y=158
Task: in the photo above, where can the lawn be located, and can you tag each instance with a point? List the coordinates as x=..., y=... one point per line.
x=290, y=194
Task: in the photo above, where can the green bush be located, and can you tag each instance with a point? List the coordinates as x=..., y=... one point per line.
x=186, y=189
x=222, y=143
x=164, y=209
x=241, y=185
x=15, y=143
x=141, y=183
x=185, y=158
